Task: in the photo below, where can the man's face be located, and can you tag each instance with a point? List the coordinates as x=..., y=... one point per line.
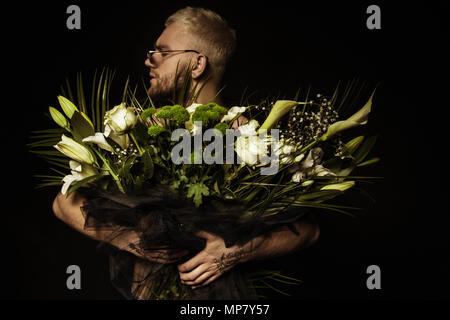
x=163, y=66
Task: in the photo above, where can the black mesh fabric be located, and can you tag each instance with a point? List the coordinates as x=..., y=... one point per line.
x=157, y=219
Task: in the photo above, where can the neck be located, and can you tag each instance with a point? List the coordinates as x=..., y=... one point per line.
x=209, y=92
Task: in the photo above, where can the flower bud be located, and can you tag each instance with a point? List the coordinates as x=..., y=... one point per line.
x=74, y=150
x=339, y=186
x=59, y=118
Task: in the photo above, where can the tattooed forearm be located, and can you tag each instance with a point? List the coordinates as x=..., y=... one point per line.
x=229, y=259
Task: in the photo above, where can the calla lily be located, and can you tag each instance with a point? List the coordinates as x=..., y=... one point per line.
x=233, y=113
x=99, y=139
x=68, y=107
x=359, y=118
x=74, y=150
x=280, y=108
x=79, y=172
x=59, y=118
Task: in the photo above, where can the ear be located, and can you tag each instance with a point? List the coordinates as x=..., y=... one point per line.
x=200, y=65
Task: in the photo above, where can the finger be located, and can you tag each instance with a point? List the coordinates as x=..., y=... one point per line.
x=204, y=234
x=194, y=274
x=211, y=279
x=191, y=264
x=200, y=279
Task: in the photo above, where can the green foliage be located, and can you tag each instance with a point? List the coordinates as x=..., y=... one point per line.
x=196, y=191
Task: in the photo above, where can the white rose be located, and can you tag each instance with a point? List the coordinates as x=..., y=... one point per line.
x=120, y=119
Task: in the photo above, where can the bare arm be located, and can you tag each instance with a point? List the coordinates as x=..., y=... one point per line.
x=215, y=258
x=282, y=241
x=68, y=210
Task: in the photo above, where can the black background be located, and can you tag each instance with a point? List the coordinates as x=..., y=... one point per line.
x=281, y=47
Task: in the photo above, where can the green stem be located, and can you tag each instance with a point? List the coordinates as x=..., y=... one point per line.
x=111, y=171
x=309, y=146
x=137, y=144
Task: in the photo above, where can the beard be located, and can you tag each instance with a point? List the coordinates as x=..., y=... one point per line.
x=162, y=86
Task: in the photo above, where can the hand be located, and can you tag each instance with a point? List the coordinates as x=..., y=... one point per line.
x=210, y=263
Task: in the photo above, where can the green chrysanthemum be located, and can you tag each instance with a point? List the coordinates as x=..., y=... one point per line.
x=219, y=109
x=148, y=112
x=153, y=131
x=165, y=112
x=179, y=114
x=222, y=127
x=208, y=114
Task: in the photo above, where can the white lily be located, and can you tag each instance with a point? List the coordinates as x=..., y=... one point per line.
x=313, y=159
x=233, y=113
x=298, y=176
x=321, y=171
x=75, y=150
x=79, y=172
x=99, y=139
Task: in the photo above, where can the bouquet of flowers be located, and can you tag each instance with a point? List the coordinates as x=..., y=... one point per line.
x=165, y=172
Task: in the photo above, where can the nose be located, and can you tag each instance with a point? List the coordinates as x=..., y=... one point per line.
x=148, y=63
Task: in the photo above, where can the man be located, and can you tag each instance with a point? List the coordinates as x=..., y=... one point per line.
x=200, y=41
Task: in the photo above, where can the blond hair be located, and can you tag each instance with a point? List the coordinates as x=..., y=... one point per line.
x=209, y=33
